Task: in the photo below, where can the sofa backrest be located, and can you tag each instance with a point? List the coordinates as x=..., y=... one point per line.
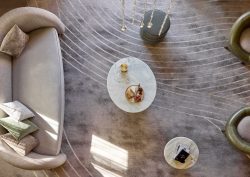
x=29, y=19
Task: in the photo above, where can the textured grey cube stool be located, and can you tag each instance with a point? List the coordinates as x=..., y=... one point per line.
x=152, y=34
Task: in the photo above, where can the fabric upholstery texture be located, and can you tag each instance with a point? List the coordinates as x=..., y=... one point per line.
x=38, y=83
x=245, y=40
x=29, y=19
x=18, y=129
x=22, y=147
x=232, y=133
x=5, y=80
x=14, y=42
x=33, y=161
x=16, y=110
x=244, y=128
x=238, y=27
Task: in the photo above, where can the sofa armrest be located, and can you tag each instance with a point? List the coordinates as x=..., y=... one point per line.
x=239, y=52
x=238, y=27
x=29, y=19
x=33, y=161
x=232, y=133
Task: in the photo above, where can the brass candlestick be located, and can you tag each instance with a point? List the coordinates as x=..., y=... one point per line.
x=145, y=9
x=123, y=28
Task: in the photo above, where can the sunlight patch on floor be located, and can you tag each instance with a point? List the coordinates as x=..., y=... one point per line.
x=105, y=172
x=109, y=154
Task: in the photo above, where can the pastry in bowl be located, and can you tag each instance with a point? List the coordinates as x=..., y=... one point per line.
x=134, y=93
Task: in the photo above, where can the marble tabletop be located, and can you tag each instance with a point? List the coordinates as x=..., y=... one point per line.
x=171, y=149
x=138, y=73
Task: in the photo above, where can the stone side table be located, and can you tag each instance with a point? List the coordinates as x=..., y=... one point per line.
x=171, y=149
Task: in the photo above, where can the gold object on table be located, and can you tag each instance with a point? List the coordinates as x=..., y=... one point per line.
x=124, y=67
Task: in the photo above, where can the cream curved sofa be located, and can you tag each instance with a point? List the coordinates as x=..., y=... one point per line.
x=36, y=79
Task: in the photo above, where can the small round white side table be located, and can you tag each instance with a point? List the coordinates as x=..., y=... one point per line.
x=138, y=73
x=171, y=149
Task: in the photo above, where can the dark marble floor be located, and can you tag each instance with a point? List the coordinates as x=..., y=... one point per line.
x=200, y=84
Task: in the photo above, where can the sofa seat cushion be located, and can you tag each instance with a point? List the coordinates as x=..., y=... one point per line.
x=245, y=40
x=38, y=83
x=243, y=128
x=5, y=80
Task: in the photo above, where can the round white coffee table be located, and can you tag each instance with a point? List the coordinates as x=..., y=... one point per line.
x=138, y=73
x=171, y=149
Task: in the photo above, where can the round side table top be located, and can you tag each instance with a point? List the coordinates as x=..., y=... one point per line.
x=138, y=73
x=171, y=149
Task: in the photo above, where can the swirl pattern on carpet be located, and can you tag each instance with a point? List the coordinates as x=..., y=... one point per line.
x=200, y=84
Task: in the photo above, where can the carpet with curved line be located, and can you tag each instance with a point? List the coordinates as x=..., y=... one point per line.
x=200, y=84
